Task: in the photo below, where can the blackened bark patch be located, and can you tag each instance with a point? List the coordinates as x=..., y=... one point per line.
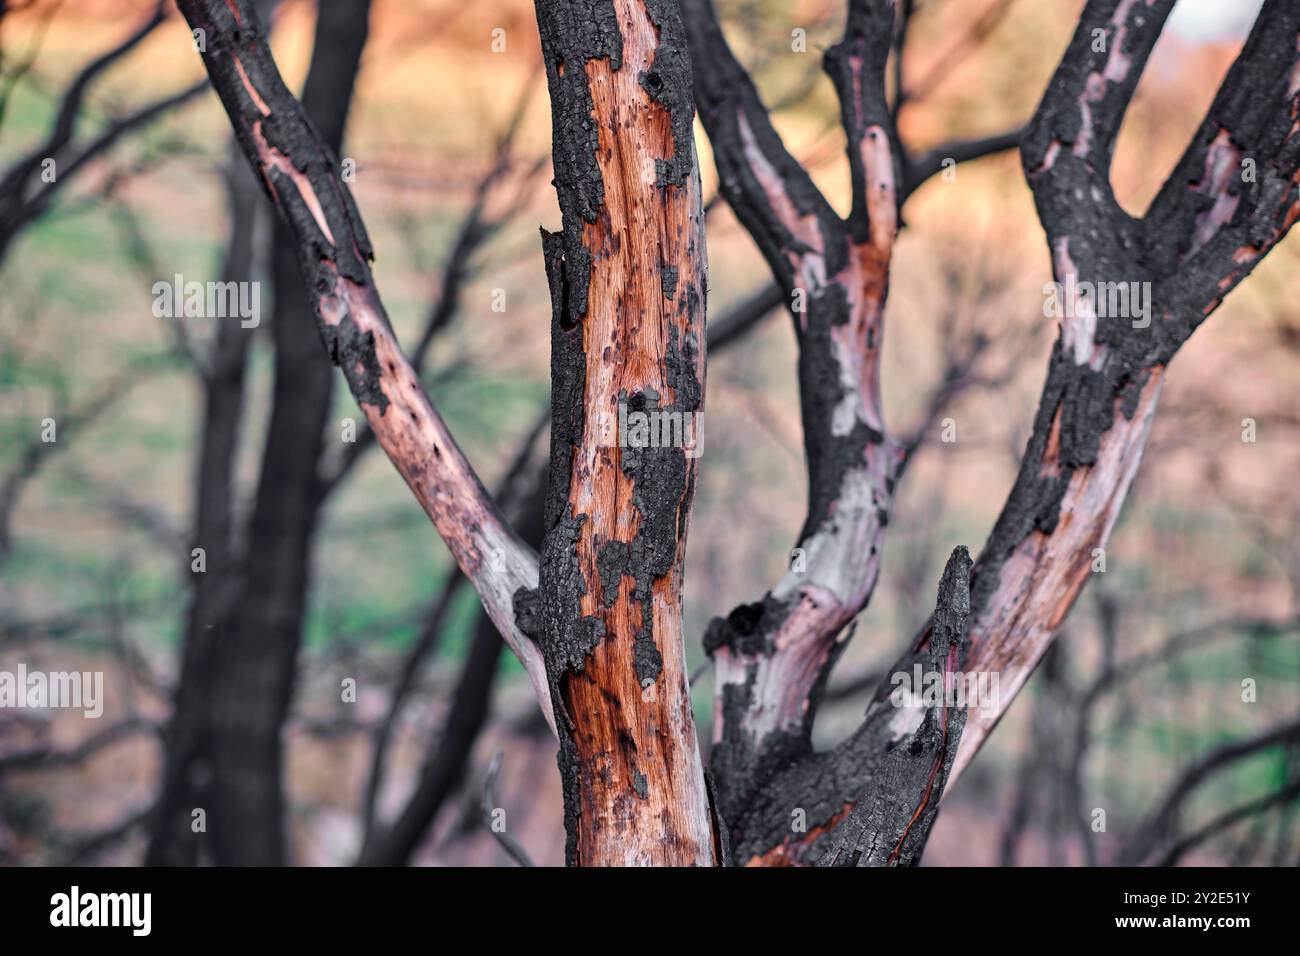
x=668, y=281
x=354, y=352
x=890, y=823
x=748, y=629
x=658, y=490
x=721, y=835
x=681, y=359
x=613, y=560
x=572, y=34
x=668, y=82
x=527, y=607
x=661, y=491
x=567, y=635
x=568, y=375
x=821, y=391
x=570, y=779
x=288, y=132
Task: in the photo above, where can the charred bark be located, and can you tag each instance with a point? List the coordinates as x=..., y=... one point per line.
x=627, y=278
x=889, y=826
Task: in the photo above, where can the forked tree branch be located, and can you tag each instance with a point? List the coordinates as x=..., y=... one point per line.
x=1105, y=373
x=1096, y=407
x=772, y=657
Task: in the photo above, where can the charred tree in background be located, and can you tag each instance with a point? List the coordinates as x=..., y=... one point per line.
x=27, y=192
x=255, y=673
x=301, y=174
x=248, y=613
x=186, y=770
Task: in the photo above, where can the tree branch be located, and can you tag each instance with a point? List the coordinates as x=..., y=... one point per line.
x=303, y=181
x=1106, y=371
x=771, y=658
x=1160, y=823
x=889, y=826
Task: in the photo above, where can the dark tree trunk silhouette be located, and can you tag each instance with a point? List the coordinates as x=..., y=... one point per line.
x=255, y=673
x=247, y=616
x=186, y=770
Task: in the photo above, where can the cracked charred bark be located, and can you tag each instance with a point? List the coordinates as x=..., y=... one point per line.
x=627, y=277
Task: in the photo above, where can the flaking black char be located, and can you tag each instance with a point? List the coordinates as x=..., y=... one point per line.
x=573, y=35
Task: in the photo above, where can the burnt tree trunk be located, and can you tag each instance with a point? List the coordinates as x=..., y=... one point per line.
x=256, y=668
x=186, y=770
x=627, y=276
x=599, y=629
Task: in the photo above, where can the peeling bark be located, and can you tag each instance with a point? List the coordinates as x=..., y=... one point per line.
x=302, y=178
x=627, y=277
x=772, y=657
